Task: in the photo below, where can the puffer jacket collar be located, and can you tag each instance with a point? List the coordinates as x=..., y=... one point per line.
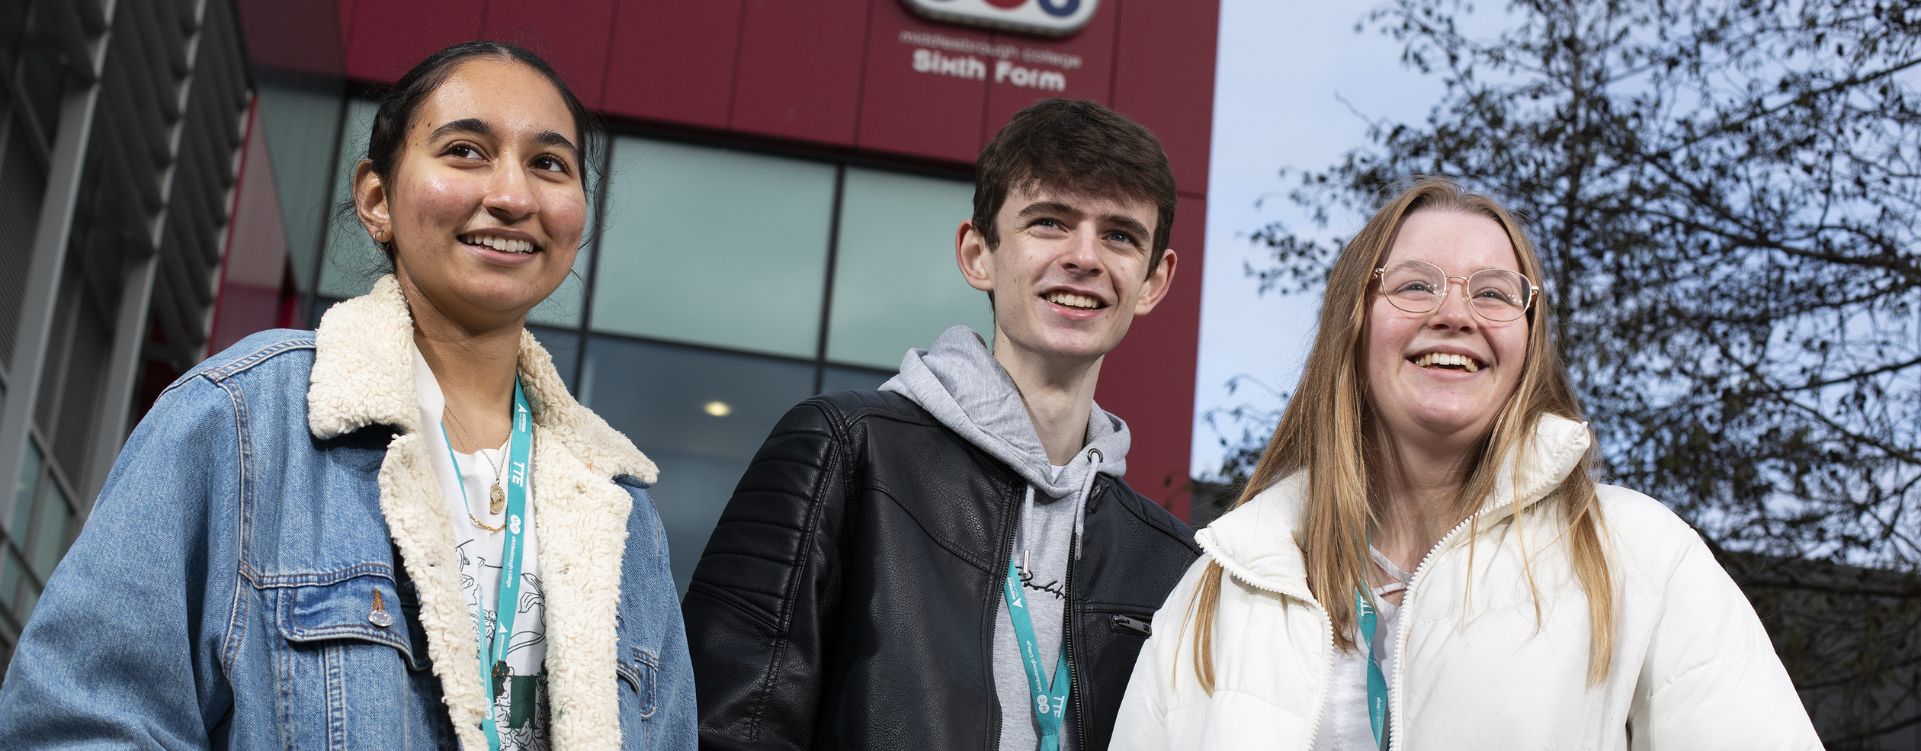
x=363, y=376
x=1258, y=543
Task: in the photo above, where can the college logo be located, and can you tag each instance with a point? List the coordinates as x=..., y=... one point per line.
x=1044, y=17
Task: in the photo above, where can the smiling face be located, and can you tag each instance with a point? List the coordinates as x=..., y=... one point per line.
x=485, y=207
x=1068, y=276
x=1440, y=378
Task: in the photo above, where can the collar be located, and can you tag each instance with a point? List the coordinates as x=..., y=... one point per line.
x=363, y=375
x=1257, y=542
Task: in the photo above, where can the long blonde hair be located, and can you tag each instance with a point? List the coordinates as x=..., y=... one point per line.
x=1325, y=432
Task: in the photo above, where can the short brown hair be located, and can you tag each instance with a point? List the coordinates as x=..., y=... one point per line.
x=1079, y=147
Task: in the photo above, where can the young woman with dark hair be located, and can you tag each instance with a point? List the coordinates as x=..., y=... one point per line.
x=398, y=531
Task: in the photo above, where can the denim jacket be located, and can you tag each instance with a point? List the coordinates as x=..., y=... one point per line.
x=227, y=590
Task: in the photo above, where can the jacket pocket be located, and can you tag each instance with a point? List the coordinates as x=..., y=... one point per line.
x=359, y=608
x=640, y=677
x=640, y=674
x=350, y=672
x=1127, y=624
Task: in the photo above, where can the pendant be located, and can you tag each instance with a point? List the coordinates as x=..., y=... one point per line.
x=496, y=500
x=379, y=615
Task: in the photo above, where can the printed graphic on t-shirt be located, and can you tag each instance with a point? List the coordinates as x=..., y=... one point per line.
x=520, y=694
x=1054, y=587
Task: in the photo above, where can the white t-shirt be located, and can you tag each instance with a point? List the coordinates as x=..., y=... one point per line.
x=520, y=710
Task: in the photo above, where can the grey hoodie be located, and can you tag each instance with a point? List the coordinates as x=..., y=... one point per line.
x=963, y=387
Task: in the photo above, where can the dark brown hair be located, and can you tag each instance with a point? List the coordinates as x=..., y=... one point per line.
x=1078, y=147
x=397, y=107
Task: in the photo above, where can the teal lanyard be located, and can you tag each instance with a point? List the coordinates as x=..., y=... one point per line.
x=1376, y=682
x=493, y=647
x=1050, y=699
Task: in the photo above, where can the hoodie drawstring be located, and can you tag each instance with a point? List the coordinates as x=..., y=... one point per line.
x=1080, y=499
x=1027, y=512
x=1080, y=507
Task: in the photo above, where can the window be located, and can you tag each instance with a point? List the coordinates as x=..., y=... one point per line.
x=895, y=282
x=24, y=492
x=11, y=574
x=348, y=268
x=713, y=247
x=300, y=117
x=840, y=378
x=700, y=415
x=55, y=520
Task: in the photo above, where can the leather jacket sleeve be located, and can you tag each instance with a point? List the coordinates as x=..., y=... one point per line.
x=759, y=608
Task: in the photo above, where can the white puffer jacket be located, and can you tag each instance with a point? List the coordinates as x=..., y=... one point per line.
x=1692, y=669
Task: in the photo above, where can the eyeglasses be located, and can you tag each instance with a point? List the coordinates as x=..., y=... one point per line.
x=1497, y=295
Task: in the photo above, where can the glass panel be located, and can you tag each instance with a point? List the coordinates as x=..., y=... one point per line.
x=13, y=24
x=11, y=568
x=895, y=282
x=700, y=415
x=715, y=247
x=24, y=491
x=562, y=308
x=29, y=597
x=50, y=531
x=42, y=79
x=300, y=116
x=841, y=378
x=352, y=262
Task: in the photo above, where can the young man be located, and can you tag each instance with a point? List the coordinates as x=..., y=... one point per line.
x=953, y=561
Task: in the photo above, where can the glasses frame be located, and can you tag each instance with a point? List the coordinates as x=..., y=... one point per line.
x=1379, y=277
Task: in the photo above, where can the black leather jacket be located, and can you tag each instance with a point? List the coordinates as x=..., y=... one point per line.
x=848, y=597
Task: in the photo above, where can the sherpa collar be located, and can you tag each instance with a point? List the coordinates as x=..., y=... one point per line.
x=362, y=376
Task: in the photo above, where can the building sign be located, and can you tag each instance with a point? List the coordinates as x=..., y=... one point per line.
x=1052, y=18
x=1003, y=64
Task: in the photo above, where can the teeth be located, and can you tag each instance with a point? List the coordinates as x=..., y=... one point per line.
x=499, y=243
x=1432, y=359
x=1072, y=300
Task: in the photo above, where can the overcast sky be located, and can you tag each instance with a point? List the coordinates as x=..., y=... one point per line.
x=1284, y=69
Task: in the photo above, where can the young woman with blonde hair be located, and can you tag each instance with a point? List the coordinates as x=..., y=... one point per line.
x=1422, y=558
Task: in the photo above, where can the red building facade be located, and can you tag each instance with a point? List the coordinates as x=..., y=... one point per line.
x=866, y=101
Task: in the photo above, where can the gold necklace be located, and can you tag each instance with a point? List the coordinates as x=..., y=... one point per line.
x=458, y=479
x=463, y=494
x=496, y=498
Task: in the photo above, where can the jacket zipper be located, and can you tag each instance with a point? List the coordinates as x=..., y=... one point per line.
x=1132, y=624
x=1067, y=633
x=1327, y=638
x=994, y=606
x=1396, y=689
x=1407, y=609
